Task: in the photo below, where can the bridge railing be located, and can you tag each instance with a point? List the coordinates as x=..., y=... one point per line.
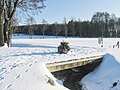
x=62, y=65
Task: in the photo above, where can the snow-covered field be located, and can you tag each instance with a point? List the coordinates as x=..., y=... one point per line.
x=22, y=67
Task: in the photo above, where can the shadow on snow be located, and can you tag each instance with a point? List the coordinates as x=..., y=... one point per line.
x=32, y=46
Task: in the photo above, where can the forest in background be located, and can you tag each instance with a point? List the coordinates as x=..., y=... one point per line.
x=102, y=24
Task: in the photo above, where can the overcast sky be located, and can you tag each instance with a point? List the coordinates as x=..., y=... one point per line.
x=56, y=10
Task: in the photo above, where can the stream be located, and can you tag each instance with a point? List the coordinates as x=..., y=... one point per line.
x=71, y=77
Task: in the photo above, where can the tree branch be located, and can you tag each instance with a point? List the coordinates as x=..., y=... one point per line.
x=14, y=9
x=1, y=6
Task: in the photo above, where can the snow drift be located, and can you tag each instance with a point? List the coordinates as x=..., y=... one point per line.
x=105, y=77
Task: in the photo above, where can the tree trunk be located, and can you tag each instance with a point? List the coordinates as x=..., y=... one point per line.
x=7, y=32
x=65, y=30
x=1, y=31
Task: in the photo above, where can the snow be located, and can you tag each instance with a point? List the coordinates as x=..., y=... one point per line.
x=107, y=75
x=23, y=66
x=104, y=76
x=24, y=36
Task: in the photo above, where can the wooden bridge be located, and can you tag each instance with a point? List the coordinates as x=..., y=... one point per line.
x=69, y=64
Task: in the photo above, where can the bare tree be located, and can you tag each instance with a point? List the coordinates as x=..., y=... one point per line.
x=1, y=23
x=10, y=7
x=9, y=10
x=65, y=26
x=44, y=27
x=57, y=29
x=30, y=21
x=15, y=24
x=73, y=27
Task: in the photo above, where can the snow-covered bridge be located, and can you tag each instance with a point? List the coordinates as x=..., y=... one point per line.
x=58, y=66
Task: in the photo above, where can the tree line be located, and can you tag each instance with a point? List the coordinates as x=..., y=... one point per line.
x=102, y=24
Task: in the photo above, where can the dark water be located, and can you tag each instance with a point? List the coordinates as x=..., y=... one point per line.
x=72, y=77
